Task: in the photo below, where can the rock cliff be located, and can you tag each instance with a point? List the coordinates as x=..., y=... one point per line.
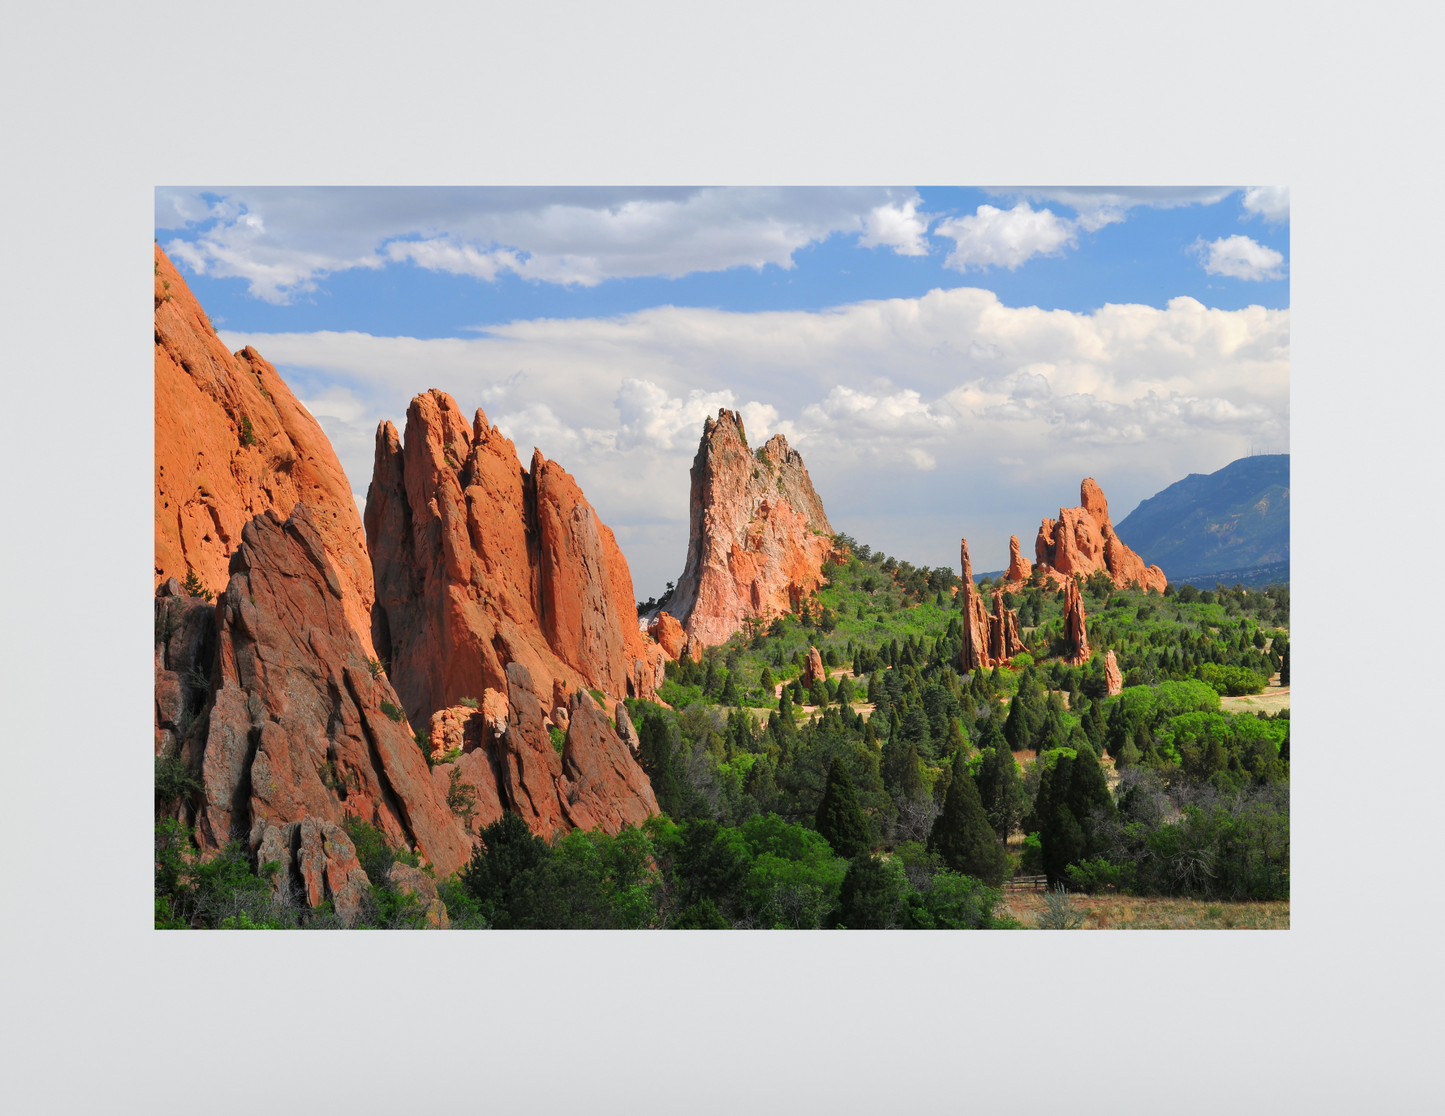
x=1112, y=678
x=758, y=536
x=480, y=563
x=1082, y=541
x=297, y=734
x=232, y=441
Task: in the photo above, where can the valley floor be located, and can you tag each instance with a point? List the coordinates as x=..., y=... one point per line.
x=1128, y=912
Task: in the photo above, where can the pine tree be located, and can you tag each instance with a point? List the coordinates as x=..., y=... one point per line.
x=962, y=836
x=1016, y=728
x=999, y=789
x=840, y=818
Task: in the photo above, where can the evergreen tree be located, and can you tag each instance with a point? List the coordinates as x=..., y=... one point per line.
x=765, y=680
x=871, y=895
x=962, y=836
x=785, y=706
x=999, y=789
x=1284, y=665
x=1016, y=728
x=655, y=753
x=840, y=818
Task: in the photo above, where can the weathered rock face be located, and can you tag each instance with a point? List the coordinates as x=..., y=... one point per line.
x=987, y=639
x=232, y=441
x=1003, y=630
x=295, y=732
x=1082, y=541
x=603, y=787
x=1112, y=676
x=758, y=536
x=185, y=648
x=669, y=634
x=1075, y=629
x=408, y=881
x=480, y=563
x=1019, y=567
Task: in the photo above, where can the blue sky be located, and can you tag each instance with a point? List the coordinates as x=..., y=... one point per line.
x=950, y=361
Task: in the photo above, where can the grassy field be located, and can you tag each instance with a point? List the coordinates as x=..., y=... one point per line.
x=1128, y=912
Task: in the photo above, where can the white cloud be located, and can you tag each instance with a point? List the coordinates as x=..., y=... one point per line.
x=900, y=227
x=1004, y=237
x=1098, y=206
x=282, y=240
x=1269, y=202
x=651, y=417
x=920, y=419
x=1239, y=257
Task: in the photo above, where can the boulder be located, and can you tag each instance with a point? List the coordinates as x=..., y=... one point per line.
x=480, y=563
x=407, y=880
x=1112, y=675
x=626, y=730
x=457, y=728
x=758, y=539
x=1082, y=541
x=296, y=727
x=231, y=442
x=669, y=634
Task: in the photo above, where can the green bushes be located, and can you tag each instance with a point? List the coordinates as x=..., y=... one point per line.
x=392, y=711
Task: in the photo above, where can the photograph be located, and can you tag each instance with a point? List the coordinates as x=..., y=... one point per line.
x=722, y=557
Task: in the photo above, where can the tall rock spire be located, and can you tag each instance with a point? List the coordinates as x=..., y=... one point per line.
x=758, y=536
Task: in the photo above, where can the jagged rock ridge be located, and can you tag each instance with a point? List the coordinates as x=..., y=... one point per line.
x=987, y=639
x=1082, y=541
x=480, y=563
x=757, y=538
x=231, y=441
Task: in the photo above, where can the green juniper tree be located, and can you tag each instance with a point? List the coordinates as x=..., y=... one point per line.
x=840, y=818
x=962, y=836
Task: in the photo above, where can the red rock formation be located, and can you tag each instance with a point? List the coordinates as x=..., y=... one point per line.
x=975, y=654
x=813, y=669
x=603, y=787
x=1003, y=630
x=758, y=535
x=1082, y=541
x=669, y=634
x=232, y=441
x=1112, y=676
x=480, y=563
x=1019, y=568
x=294, y=738
x=406, y=880
x=1075, y=629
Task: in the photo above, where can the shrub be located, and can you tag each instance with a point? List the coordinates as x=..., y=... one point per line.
x=248, y=432
x=461, y=797
x=1059, y=912
x=173, y=781
x=1022, y=660
x=392, y=711
x=376, y=667
x=469, y=702
x=194, y=586
x=559, y=738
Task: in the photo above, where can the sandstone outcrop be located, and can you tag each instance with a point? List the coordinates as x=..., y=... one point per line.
x=297, y=734
x=406, y=880
x=185, y=647
x=988, y=639
x=231, y=442
x=813, y=669
x=669, y=634
x=1112, y=676
x=757, y=537
x=1019, y=567
x=480, y=563
x=1082, y=541
x=1076, y=631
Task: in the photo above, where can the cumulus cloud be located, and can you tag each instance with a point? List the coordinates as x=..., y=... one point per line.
x=900, y=227
x=995, y=237
x=1098, y=206
x=282, y=240
x=1239, y=257
x=1269, y=202
x=920, y=419
x=651, y=417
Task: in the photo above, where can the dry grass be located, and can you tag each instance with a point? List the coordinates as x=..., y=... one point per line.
x=1127, y=912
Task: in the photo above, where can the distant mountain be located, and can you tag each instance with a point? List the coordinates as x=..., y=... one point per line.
x=1233, y=521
